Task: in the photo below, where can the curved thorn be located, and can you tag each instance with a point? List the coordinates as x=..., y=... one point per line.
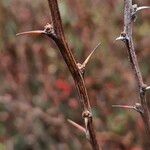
x=148, y=88
x=142, y=8
x=119, y=38
x=36, y=32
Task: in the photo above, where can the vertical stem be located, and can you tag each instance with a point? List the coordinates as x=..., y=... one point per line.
x=74, y=70
x=134, y=63
x=130, y=45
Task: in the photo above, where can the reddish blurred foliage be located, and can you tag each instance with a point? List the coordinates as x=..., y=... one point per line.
x=63, y=86
x=37, y=93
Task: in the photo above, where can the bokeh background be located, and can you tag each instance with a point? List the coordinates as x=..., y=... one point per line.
x=37, y=93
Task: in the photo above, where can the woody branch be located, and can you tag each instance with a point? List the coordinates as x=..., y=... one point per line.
x=130, y=15
x=56, y=33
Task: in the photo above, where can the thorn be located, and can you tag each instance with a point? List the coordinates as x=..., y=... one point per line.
x=123, y=106
x=148, y=88
x=86, y=128
x=86, y=116
x=77, y=125
x=137, y=107
x=142, y=8
x=136, y=9
x=122, y=37
x=119, y=38
x=88, y=58
x=36, y=32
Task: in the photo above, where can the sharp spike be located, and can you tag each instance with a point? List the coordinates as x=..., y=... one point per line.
x=77, y=125
x=119, y=38
x=36, y=32
x=86, y=128
x=124, y=106
x=142, y=8
x=88, y=58
x=148, y=88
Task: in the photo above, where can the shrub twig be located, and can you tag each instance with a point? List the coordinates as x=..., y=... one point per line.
x=130, y=12
x=56, y=33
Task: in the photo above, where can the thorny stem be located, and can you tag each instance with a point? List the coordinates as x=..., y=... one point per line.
x=74, y=70
x=56, y=33
x=127, y=38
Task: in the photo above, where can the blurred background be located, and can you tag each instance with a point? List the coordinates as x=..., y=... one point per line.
x=37, y=93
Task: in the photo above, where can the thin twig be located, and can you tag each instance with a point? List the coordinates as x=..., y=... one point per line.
x=126, y=36
x=74, y=70
x=56, y=33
